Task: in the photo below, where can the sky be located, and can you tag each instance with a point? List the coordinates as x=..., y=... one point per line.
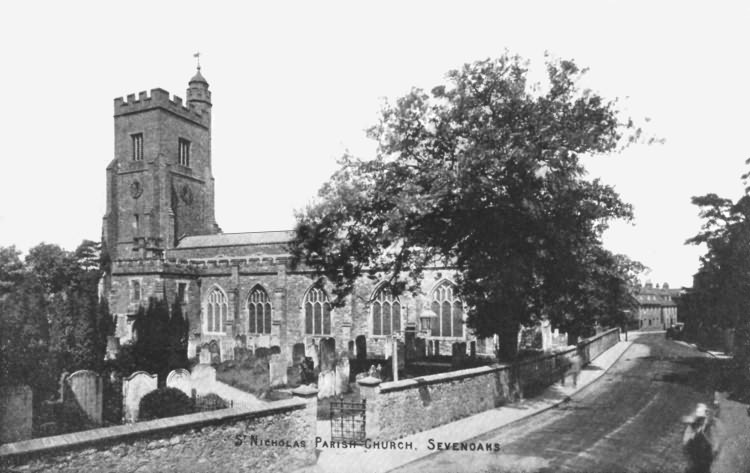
x=295, y=84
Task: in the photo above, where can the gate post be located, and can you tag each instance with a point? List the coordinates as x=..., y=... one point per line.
x=369, y=389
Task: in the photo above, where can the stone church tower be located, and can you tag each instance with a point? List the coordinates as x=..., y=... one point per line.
x=159, y=184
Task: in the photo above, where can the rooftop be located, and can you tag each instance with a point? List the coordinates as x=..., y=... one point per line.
x=236, y=239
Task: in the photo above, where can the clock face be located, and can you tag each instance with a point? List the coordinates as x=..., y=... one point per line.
x=136, y=189
x=186, y=194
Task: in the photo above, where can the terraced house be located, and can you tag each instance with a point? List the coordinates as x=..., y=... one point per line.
x=160, y=232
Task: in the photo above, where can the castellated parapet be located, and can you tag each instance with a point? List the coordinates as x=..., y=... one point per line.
x=159, y=98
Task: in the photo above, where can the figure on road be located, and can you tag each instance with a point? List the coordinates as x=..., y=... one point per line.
x=700, y=440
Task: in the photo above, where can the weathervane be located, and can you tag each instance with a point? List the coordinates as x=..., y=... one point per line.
x=198, y=58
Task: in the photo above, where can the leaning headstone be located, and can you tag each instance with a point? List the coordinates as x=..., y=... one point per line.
x=326, y=384
x=342, y=376
x=16, y=413
x=203, y=378
x=134, y=387
x=85, y=390
x=180, y=379
x=277, y=371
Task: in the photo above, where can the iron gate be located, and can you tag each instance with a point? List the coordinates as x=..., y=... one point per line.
x=348, y=421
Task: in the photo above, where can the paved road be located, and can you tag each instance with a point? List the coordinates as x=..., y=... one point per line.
x=627, y=421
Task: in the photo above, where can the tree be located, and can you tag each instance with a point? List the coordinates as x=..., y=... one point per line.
x=160, y=337
x=24, y=335
x=719, y=298
x=11, y=269
x=54, y=266
x=482, y=174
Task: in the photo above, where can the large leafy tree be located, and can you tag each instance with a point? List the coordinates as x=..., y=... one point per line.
x=50, y=314
x=720, y=298
x=482, y=174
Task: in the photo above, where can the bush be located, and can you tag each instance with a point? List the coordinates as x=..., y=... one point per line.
x=210, y=402
x=165, y=402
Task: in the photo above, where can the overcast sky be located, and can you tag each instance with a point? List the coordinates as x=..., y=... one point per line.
x=296, y=83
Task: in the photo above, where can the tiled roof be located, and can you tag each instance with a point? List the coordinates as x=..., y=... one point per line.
x=236, y=239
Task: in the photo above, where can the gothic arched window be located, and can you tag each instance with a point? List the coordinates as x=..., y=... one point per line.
x=216, y=310
x=259, y=311
x=317, y=312
x=449, y=310
x=386, y=312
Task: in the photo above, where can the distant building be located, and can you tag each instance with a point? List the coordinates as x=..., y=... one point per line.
x=657, y=309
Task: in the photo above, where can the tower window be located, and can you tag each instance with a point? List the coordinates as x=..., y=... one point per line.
x=184, y=152
x=137, y=142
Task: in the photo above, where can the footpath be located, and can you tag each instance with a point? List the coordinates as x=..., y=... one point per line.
x=363, y=460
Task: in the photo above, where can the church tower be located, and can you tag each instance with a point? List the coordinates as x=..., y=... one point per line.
x=159, y=185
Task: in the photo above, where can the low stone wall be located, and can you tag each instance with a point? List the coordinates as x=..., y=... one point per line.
x=400, y=408
x=279, y=436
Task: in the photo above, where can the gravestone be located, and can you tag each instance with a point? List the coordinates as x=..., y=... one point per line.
x=410, y=336
x=205, y=356
x=342, y=376
x=277, y=371
x=401, y=353
x=312, y=352
x=361, y=347
x=227, y=349
x=134, y=387
x=180, y=379
x=84, y=389
x=113, y=347
x=546, y=331
x=420, y=348
x=215, y=350
x=192, y=348
x=458, y=354
x=327, y=354
x=298, y=353
x=326, y=384
x=15, y=413
x=203, y=378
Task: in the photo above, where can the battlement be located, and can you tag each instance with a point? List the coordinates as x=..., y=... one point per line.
x=159, y=98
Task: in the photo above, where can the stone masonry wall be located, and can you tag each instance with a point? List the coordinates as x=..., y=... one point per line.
x=400, y=408
x=280, y=436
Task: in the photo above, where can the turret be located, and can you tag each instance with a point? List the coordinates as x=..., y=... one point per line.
x=198, y=95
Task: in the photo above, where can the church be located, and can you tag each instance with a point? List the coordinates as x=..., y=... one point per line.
x=162, y=238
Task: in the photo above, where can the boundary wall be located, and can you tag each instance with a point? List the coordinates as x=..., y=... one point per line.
x=399, y=408
x=280, y=435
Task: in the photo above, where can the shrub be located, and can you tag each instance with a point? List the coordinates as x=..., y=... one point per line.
x=210, y=402
x=165, y=402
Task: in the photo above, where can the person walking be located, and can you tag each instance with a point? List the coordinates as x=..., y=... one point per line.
x=700, y=442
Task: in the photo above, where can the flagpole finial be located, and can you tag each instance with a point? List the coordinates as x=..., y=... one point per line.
x=197, y=56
